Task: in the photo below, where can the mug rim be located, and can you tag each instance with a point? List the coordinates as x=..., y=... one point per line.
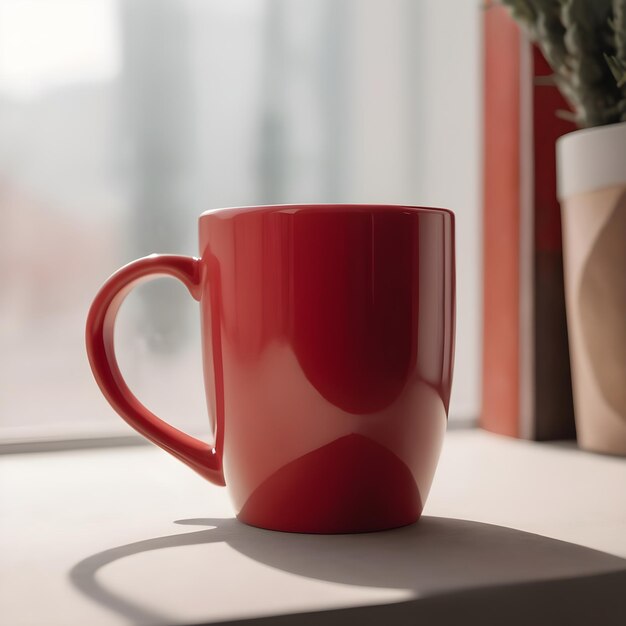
x=352, y=207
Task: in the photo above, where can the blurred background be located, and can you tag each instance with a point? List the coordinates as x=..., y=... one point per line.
x=122, y=120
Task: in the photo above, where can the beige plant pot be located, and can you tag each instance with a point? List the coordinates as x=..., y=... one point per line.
x=592, y=192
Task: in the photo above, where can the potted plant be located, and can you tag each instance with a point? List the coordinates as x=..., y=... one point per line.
x=584, y=41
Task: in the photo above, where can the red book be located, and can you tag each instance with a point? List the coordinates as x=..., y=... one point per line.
x=526, y=377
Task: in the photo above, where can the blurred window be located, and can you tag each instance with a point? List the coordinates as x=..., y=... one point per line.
x=121, y=121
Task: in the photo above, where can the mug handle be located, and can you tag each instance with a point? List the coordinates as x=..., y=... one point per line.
x=201, y=457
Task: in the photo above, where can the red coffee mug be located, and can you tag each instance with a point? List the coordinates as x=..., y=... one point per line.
x=328, y=343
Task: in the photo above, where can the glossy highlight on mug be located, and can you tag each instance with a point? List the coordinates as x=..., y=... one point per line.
x=328, y=336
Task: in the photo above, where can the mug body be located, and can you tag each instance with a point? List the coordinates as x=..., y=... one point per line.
x=328, y=343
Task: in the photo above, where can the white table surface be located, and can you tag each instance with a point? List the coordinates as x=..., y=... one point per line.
x=129, y=535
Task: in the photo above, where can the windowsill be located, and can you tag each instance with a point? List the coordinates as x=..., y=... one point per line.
x=87, y=537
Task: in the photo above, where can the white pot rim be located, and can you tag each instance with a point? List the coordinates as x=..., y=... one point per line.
x=591, y=159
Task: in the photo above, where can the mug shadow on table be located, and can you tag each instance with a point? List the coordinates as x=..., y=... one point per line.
x=455, y=570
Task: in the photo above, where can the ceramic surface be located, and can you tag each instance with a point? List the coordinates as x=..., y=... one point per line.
x=328, y=341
